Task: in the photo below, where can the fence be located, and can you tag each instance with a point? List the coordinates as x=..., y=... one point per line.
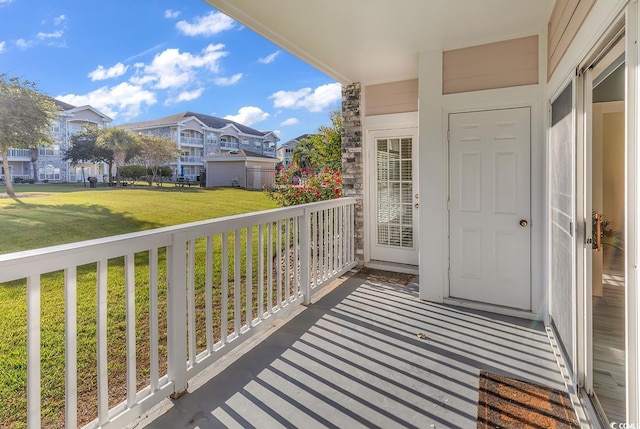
x=170, y=302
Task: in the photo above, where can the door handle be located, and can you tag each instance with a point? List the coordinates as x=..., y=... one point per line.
x=416, y=205
x=598, y=232
x=523, y=223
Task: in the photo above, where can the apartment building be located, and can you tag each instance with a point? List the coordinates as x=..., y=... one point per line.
x=198, y=135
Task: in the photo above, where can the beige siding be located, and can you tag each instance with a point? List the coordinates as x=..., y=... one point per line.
x=222, y=173
x=566, y=19
x=495, y=65
x=86, y=115
x=394, y=97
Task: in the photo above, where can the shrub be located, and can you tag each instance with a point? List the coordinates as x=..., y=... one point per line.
x=298, y=186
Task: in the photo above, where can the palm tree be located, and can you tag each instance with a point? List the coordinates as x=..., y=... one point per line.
x=123, y=143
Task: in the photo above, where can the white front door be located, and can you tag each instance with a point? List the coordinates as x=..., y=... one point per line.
x=489, y=209
x=395, y=196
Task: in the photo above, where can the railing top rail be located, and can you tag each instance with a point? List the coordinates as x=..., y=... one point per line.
x=18, y=265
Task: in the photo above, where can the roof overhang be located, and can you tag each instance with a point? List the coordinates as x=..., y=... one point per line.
x=377, y=41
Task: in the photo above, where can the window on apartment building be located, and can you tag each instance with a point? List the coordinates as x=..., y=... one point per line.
x=49, y=173
x=55, y=127
x=49, y=150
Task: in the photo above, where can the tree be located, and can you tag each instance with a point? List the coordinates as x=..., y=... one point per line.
x=123, y=143
x=84, y=149
x=25, y=117
x=322, y=150
x=155, y=152
x=133, y=172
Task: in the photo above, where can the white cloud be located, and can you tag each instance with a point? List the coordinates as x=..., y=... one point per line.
x=23, y=44
x=185, y=96
x=53, y=35
x=314, y=101
x=171, y=14
x=207, y=25
x=249, y=115
x=115, y=71
x=289, y=122
x=5, y=2
x=59, y=20
x=124, y=99
x=173, y=69
x=2, y=45
x=228, y=81
x=269, y=58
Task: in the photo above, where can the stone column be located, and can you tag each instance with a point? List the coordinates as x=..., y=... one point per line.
x=352, y=172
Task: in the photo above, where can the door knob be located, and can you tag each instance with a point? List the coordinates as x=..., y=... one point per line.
x=523, y=223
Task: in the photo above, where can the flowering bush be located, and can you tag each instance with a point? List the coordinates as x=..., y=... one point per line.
x=299, y=186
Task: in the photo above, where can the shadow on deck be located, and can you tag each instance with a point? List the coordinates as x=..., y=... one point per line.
x=355, y=359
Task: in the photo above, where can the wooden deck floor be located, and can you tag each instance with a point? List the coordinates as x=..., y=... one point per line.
x=368, y=354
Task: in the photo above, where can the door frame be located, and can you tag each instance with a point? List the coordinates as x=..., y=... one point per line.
x=628, y=19
x=372, y=125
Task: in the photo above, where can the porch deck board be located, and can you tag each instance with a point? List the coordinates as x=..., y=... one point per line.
x=354, y=359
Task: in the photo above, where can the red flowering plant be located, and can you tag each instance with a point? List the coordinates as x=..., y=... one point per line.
x=295, y=185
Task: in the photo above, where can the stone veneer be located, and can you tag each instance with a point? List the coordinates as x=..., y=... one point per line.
x=352, y=171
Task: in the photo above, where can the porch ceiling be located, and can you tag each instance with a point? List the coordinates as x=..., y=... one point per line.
x=375, y=41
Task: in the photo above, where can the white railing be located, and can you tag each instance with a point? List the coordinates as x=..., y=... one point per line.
x=229, y=145
x=19, y=153
x=211, y=285
x=191, y=159
x=196, y=141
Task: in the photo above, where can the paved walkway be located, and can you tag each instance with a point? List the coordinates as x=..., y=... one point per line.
x=368, y=355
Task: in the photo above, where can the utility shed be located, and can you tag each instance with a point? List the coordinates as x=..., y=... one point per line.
x=241, y=168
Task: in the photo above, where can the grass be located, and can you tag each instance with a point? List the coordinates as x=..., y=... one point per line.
x=45, y=215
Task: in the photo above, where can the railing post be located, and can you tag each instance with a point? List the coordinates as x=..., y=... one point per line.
x=177, y=314
x=305, y=256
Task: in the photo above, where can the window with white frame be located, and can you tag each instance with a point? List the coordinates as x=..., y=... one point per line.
x=49, y=173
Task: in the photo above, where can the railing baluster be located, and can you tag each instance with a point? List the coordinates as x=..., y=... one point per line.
x=249, y=276
x=102, y=345
x=260, y=297
x=154, y=335
x=279, y=262
x=224, y=328
x=305, y=256
x=340, y=233
x=33, y=352
x=237, y=286
x=191, y=302
x=270, y=269
x=296, y=262
x=208, y=293
x=71, y=351
x=130, y=291
x=314, y=248
x=287, y=261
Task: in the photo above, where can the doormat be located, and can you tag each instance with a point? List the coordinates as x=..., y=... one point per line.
x=505, y=402
x=370, y=274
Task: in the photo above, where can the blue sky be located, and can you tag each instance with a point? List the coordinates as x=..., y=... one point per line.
x=142, y=60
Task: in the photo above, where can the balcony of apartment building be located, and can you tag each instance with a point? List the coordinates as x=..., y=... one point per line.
x=191, y=138
x=259, y=320
x=18, y=155
x=191, y=159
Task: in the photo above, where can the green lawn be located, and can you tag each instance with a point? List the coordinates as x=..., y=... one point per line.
x=56, y=214
x=48, y=214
